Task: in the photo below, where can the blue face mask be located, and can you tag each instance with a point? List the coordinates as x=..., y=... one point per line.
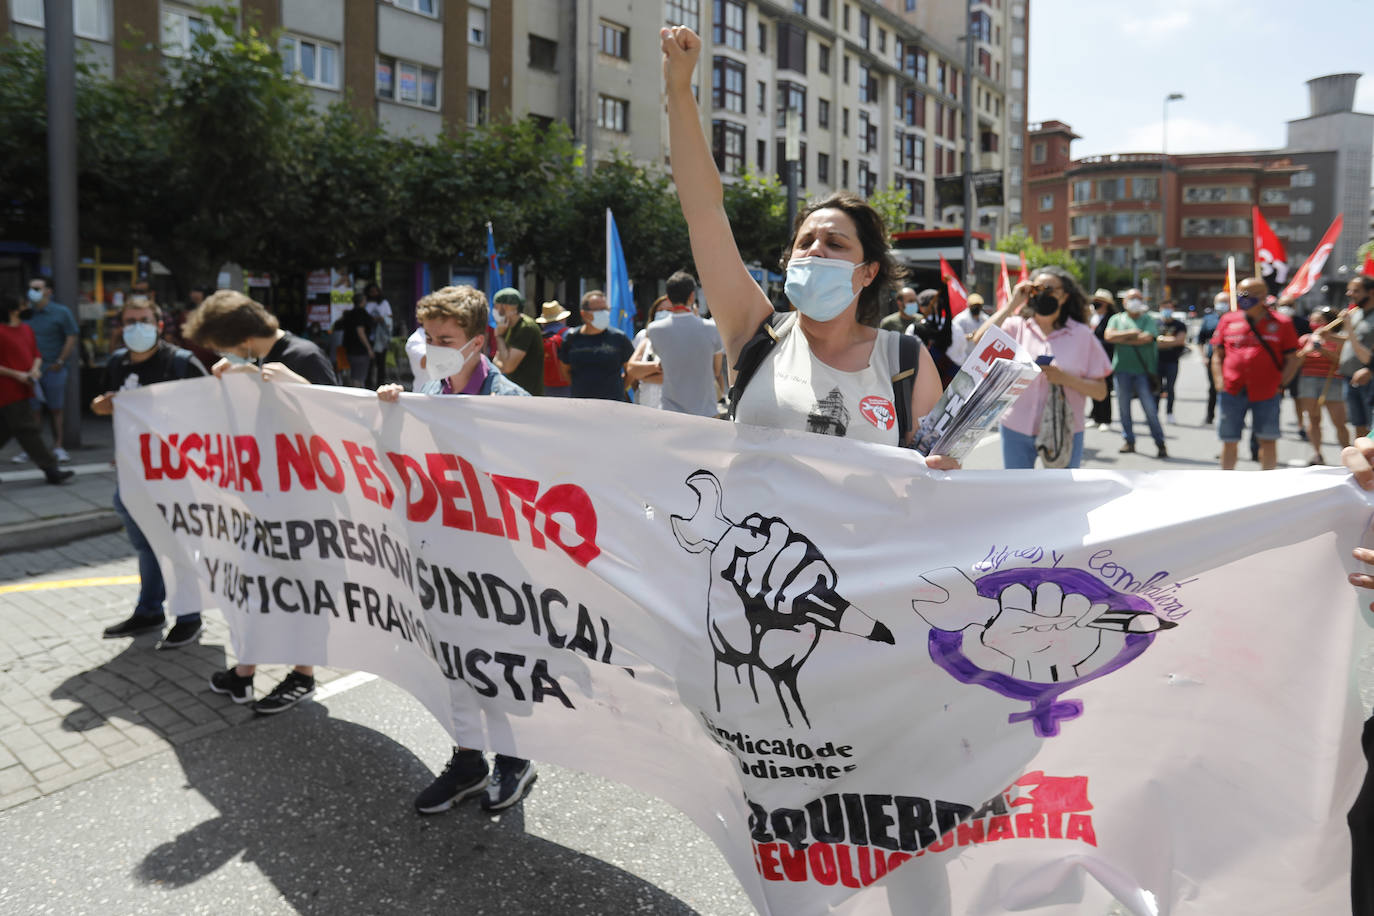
x=912, y=308
x=1246, y=302
x=820, y=288
x=140, y=337
x=35, y=295
x=236, y=360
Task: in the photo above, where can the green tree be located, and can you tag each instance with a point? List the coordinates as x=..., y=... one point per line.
x=756, y=206
x=893, y=206
x=1037, y=255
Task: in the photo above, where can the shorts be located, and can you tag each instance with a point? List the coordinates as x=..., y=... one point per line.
x=54, y=385
x=1231, y=410
x=1357, y=407
x=1312, y=386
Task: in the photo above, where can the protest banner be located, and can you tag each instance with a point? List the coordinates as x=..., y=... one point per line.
x=879, y=689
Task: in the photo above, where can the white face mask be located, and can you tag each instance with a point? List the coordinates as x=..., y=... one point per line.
x=601, y=319
x=140, y=337
x=662, y=313
x=1135, y=306
x=820, y=288
x=445, y=362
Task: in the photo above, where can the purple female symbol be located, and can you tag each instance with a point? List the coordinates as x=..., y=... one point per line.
x=1051, y=629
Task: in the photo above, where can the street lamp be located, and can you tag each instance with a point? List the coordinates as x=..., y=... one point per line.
x=1164, y=198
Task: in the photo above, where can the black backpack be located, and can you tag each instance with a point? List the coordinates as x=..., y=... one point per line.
x=752, y=354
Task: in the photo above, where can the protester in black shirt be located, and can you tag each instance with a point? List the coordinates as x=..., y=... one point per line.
x=1173, y=343
x=146, y=360
x=245, y=332
x=596, y=353
x=356, y=325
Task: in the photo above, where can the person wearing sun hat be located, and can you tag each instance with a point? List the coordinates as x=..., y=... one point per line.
x=553, y=322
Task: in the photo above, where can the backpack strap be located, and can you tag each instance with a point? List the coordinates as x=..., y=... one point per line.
x=904, y=352
x=181, y=362
x=752, y=355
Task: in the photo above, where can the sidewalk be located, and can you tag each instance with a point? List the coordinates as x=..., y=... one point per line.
x=34, y=514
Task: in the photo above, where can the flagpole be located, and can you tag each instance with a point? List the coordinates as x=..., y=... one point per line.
x=609, y=256
x=1231, y=279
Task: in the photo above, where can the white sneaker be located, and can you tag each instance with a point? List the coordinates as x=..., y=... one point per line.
x=1171, y=419
x=20, y=458
x=61, y=454
x=1104, y=427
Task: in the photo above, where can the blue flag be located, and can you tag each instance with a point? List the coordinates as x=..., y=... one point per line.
x=495, y=277
x=618, y=293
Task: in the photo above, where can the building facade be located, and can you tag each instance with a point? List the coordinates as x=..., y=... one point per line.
x=1108, y=208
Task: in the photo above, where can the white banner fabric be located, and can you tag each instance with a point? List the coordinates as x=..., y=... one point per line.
x=878, y=689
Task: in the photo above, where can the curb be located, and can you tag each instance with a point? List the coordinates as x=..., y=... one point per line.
x=55, y=532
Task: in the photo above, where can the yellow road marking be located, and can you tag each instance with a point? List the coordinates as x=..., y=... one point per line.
x=68, y=583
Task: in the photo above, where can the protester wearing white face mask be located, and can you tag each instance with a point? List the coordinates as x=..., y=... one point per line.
x=455, y=323
x=596, y=354
x=146, y=359
x=1135, y=361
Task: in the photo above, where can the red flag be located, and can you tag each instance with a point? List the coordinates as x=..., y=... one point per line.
x=1311, y=269
x=1270, y=257
x=1004, y=287
x=958, y=298
x=1024, y=276
x=1368, y=266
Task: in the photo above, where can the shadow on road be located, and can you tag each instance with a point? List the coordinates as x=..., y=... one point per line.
x=323, y=808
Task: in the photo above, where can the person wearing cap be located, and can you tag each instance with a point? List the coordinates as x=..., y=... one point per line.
x=1104, y=307
x=962, y=329
x=553, y=324
x=519, y=344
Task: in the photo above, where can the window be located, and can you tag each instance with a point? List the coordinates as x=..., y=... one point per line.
x=985, y=61
x=477, y=26
x=941, y=76
x=823, y=58
x=763, y=38
x=1274, y=197
x=844, y=163
x=823, y=113
x=1145, y=188
x=791, y=97
x=823, y=168
x=1226, y=226
x=727, y=86
x=864, y=124
x=939, y=119
x=1047, y=232
x=1302, y=180
x=612, y=113
x=615, y=40
x=868, y=86
x=683, y=12
x=981, y=23
x=315, y=62
x=477, y=106
x=846, y=70
x=987, y=142
x=179, y=30
x=846, y=28
x=762, y=96
x=825, y=9
x=90, y=18
x=911, y=8
x=1082, y=190
x=1216, y=194
x=801, y=163
x=1038, y=152
x=1114, y=224
x=543, y=54
x=1046, y=201
x=882, y=40
x=415, y=6
x=922, y=71
x=844, y=124
x=761, y=154
x=865, y=24
x=916, y=191
x=1111, y=189
x=728, y=146
x=949, y=160
x=919, y=154
x=791, y=47
x=728, y=24
x=799, y=6
x=408, y=83
x=1300, y=206
x=914, y=108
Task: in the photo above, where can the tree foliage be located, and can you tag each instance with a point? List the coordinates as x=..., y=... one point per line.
x=756, y=206
x=892, y=205
x=1019, y=241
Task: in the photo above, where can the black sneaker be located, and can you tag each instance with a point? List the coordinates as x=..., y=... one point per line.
x=239, y=689
x=182, y=633
x=293, y=688
x=510, y=782
x=136, y=624
x=59, y=476
x=465, y=775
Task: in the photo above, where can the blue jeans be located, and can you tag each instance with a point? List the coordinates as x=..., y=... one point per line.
x=1018, y=450
x=1136, y=385
x=152, y=591
x=1168, y=377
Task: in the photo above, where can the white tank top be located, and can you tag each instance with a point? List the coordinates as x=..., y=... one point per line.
x=792, y=389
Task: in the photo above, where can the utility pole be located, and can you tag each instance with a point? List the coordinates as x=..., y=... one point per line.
x=970, y=201
x=1164, y=198
x=60, y=46
x=791, y=153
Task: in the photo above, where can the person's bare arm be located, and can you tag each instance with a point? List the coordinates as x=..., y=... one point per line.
x=1216, y=369
x=1019, y=295
x=1291, y=365
x=1094, y=388
x=510, y=360
x=737, y=303
x=639, y=369
x=70, y=344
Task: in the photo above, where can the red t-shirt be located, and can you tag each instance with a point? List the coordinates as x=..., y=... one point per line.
x=1321, y=361
x=18, y=350
x=1246, y=364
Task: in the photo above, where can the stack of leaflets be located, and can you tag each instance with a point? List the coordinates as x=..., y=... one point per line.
x=992, y=377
